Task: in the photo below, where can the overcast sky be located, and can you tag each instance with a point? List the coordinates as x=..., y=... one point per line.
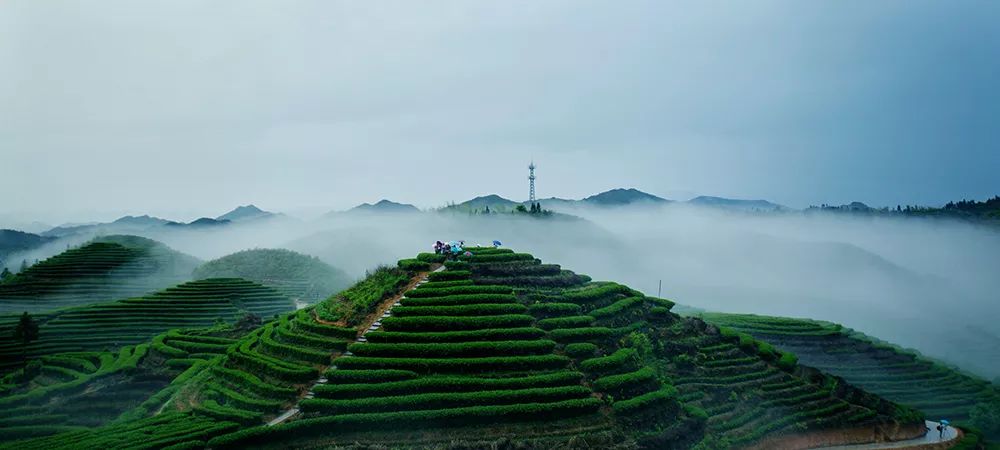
x=181, y=108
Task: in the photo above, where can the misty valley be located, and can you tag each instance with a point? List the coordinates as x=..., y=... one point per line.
x=710, y=323
x=473, y=224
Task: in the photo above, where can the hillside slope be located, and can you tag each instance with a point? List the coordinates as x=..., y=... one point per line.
x=896, y=374
x=501, y=346
x=104, y=269
x=298, y=276
x=112, y=325
x=75, y=391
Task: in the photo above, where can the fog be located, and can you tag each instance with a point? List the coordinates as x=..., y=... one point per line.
x=926, y=284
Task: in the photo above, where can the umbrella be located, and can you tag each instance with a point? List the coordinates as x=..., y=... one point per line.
x=497, y=243
x=945, y=422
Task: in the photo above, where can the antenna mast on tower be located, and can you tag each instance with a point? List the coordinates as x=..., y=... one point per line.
x=531, y=182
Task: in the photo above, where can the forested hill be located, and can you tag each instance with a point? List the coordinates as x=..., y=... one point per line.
x=296, y=275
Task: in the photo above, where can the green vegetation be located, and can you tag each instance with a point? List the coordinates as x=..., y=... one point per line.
x=620, y=361
x=445, y=384
x=162, y=431
x=471, y=299
x=113, y=325
x=293, y=274
x=460, y=310
x=987, y=211
x=489, y=334
x=105, y=269
x=537, y=353
x=413, y=265
x=451, y=350
x=71, y=391
x=25, y=331
x=896, y=374
x=581, y=350
x=351, y=306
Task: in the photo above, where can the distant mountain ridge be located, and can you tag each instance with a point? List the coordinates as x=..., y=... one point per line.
x=143, y=220
x=385, y=206
x=611, y=198
x=620, y=196
x=13, y=241
x=736, y=204
x=136, y=224
x=200, y=223
x=247, y=212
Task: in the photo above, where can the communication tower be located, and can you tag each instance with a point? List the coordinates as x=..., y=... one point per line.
x=531, y=182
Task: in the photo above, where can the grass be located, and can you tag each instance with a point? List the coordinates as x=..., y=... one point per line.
x=354, y=304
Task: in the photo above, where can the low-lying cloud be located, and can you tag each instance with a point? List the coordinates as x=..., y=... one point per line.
x=925, y=284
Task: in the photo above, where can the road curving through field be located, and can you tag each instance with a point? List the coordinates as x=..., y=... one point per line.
x=929, y=440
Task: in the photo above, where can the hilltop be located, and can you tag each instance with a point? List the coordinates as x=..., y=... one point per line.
x=244, y=213
x=493, y=201
x=737, y=205
x=105, y=268
x=294, y=274
x=619, y=197
x=498, y=349
x=384, y=206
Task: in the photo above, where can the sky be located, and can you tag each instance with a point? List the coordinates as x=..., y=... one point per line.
x=183, y=109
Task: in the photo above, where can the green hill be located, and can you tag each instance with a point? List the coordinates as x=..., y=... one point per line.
x=75, y=391
x=104, y=269
x=887, y=370
x=131, y=321
x=499, y=349
x=296, y=275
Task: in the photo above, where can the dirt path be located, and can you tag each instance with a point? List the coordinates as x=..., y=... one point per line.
x=371, y=323
x=386, y=305
x=929, y=440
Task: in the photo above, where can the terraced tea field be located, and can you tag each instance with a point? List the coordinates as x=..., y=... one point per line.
x=886, y=370
x=132, y=321
x=75, y=391
x=110, y=268
x=498, y=345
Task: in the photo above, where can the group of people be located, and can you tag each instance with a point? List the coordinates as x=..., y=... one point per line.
x=453, y=249
x=450, y=249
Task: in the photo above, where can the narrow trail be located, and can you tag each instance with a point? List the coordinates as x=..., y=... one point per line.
x=931, y=438
x=373, y=323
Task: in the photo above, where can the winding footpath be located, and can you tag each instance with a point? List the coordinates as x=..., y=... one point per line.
x=374, y=325
x=931, y=438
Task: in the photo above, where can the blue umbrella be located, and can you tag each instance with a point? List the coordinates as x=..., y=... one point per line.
x=945, y=422
x=497, y=243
